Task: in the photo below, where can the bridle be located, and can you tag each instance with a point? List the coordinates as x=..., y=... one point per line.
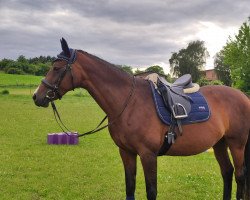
x=54, y=89
x=54, y=92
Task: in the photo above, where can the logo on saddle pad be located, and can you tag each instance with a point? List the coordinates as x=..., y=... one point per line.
x=202, y=108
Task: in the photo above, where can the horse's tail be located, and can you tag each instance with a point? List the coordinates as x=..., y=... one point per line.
x=247, y=165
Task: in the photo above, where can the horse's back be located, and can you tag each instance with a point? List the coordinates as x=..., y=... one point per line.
x=228, y=97
x=231, y=104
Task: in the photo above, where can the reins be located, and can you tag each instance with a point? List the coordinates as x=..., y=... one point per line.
x=117, y=117
x=98, y=127
x=54, y=92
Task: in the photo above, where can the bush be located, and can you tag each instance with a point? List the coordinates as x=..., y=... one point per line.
x=42, y=69
x=216, y=82
x=203, y=81
x=5, y=92
x=4, y=63
x=13, y=70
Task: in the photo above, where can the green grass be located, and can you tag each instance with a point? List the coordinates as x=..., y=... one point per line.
x=92, y=170
x=19, y=80
x=26, y=85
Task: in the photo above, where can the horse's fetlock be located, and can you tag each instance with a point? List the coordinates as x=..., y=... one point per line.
x=228, y=175
x=151, y=194
x=241, y=179
x=130, y=198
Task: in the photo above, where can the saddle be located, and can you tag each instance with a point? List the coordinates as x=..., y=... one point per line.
x=176, y=100
x=174, y=95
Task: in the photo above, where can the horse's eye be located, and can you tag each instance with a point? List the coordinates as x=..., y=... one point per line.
x=56, y=68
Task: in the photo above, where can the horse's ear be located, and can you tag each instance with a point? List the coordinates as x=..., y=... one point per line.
x=65, y=47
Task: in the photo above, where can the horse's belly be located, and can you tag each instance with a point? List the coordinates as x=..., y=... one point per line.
x=194, y=142
x=186, y=150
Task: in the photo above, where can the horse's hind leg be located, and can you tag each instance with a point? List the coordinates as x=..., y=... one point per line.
x=221, y=154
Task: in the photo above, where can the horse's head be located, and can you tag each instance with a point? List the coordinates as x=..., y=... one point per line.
x=59, y=79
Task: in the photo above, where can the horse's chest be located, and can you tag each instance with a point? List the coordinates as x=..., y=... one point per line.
x=119, y=138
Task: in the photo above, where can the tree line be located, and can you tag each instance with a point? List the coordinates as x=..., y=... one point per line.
x=38, y=66
x=232, y=63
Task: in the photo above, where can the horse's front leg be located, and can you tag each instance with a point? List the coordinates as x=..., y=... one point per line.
x=129, y=162
x=149, y=163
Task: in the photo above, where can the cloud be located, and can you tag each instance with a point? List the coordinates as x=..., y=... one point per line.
x=137, y=33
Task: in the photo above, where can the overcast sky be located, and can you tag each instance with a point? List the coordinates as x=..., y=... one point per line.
x=138, y=33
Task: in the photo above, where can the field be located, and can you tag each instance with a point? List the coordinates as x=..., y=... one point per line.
x=19, y=80
x=31, y=169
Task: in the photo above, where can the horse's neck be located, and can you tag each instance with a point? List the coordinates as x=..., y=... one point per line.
x=107, y=85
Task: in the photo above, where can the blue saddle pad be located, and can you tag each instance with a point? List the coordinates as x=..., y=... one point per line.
x=200, y=111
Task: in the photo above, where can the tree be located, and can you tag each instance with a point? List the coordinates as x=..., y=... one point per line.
x=222, y=70
x=203, y=81
x=159, y=70
x=127, y=69
x=22, y=59
x=42, y=69
x=156, y=69
x=41, y=59
x=23, y=64
x=190, y=60
x=237, y=56
x=14, y=70
x=138, y=71
x=4, y=63
x=37, y=65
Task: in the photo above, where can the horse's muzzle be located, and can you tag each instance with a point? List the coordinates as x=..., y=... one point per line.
x=41, y=102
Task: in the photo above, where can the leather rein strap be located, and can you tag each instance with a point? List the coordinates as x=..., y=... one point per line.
x=98, y=127
x=54, y=92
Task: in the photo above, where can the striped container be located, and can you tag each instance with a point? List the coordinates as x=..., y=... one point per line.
x=63, y=138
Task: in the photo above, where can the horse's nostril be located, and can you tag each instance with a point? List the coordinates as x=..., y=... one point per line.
x=34, y=96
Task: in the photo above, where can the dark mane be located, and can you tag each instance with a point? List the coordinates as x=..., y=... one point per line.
x=103, y=62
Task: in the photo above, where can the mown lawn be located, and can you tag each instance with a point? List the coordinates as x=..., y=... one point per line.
x=31, y=169
x=19, y=80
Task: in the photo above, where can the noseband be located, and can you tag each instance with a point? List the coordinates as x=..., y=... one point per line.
x=54, y=89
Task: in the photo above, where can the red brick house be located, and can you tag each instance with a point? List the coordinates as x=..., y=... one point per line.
x=210, y=74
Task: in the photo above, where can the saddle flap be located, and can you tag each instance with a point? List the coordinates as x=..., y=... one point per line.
x=181, y=106
x=175, y=100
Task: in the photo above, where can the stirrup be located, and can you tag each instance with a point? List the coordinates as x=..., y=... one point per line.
x=176, y=115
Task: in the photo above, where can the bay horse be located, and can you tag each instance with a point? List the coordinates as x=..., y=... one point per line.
x=137, y=130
